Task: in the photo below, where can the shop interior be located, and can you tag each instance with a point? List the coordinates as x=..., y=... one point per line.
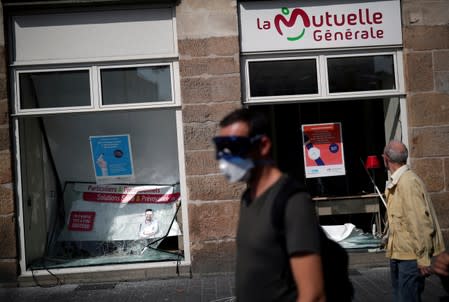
x=366, y=126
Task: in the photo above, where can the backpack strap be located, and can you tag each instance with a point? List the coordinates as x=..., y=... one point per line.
x=290, y=187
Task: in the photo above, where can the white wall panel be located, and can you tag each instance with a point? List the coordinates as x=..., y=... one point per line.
x=94, y=35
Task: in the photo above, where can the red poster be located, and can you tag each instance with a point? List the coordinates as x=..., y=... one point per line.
x=323, y=150
x=81, y=221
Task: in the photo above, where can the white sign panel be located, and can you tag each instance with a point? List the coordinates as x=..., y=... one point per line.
x=297, y=25
x=118, y=212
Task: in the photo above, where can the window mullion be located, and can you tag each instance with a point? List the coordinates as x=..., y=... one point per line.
x=95, y=88
x=322, y=76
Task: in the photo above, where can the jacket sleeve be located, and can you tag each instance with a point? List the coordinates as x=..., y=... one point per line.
x=419, y=222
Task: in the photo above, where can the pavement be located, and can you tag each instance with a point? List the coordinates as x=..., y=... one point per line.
x=370, y=284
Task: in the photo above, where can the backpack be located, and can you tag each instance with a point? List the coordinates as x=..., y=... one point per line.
x=337, y=284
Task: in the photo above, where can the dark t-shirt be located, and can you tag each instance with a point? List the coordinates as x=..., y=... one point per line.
x=263, y=268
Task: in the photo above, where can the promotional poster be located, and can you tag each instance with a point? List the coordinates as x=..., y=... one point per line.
x=323, y=150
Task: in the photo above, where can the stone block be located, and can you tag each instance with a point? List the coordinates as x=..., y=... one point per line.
x=427, y=109
x=208, y=66
x=4, y=138
x=201, y=163
x=214, y=256
x=445, y=236
x=441, y=60
x=446, y=175
x=212, y=89
x=422, y=13
x=3, y=86
x=199, y=136
x=2, y=60
x=442, y=81
x=213, y=220
x=4, y=112
x=441, y=204
x=210, y=5
x=419, y=73
x=426, y=37
x=8, y=270
x=431, y=172
x=6, y=200
x=5, y=167
x=222, y=46
x=8, y=235
x=429, y=141
x=213, y=187
x=206, y=24
x=208, y=112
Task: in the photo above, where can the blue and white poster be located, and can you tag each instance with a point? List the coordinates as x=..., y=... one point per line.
x=112, y=157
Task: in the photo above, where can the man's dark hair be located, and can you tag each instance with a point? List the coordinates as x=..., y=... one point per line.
x=257, y=121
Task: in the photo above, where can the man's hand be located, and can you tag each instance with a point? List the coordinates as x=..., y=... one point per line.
x=441, y=264
x=425, y=271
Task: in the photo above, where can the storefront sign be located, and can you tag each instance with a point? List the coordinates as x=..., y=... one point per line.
x=112, y=158
x=323, y=150
x=298, y=25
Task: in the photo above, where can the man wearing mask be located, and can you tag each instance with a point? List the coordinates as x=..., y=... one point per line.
x=268, y=269
x=414, y=235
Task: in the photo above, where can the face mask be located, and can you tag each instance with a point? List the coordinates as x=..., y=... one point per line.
x=236, y=168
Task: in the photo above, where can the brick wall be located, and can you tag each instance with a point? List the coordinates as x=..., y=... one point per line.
x=426, y=58
x=210, y=87
x=8, y=250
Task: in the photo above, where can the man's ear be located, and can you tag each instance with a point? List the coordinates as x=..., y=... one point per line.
x=265, y=145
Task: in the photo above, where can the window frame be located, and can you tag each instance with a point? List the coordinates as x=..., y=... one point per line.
x=323, y=77
x=95, y=88
x=277, y=98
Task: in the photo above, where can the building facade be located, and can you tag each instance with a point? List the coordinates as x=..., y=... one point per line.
x=151, y=80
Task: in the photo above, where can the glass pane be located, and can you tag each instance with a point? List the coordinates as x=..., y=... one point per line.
x=54, y=89
x=361, y=73
x=291, y=77
x=91, y=223
x=136, y=85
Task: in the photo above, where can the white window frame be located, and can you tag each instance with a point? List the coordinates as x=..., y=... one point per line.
x=323, y=84
x=21, y=111
x=95, y=89
x=279, y=98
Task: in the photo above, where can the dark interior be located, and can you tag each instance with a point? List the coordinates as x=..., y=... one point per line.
x=363, y=134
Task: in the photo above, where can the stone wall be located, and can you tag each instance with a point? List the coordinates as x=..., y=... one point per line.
x=8, y=249
x=426, y=58
x=208, y=45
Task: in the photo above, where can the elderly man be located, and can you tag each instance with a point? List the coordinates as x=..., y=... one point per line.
x=414, y=235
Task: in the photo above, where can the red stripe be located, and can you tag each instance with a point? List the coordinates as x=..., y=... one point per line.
x=137, y=198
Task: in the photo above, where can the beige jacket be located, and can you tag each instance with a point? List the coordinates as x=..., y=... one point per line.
x=414, y=232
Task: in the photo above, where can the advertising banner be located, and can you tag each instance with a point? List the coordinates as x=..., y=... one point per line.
x=323, y=150
x=299, y=25
x=118, y=212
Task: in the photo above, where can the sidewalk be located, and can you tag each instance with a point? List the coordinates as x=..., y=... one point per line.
x=371, y=285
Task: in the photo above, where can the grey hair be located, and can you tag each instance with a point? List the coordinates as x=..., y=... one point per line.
x=396, y=152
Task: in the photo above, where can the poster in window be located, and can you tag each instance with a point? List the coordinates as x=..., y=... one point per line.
x=323, y=150
x=108, y=212
x=112, y=158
